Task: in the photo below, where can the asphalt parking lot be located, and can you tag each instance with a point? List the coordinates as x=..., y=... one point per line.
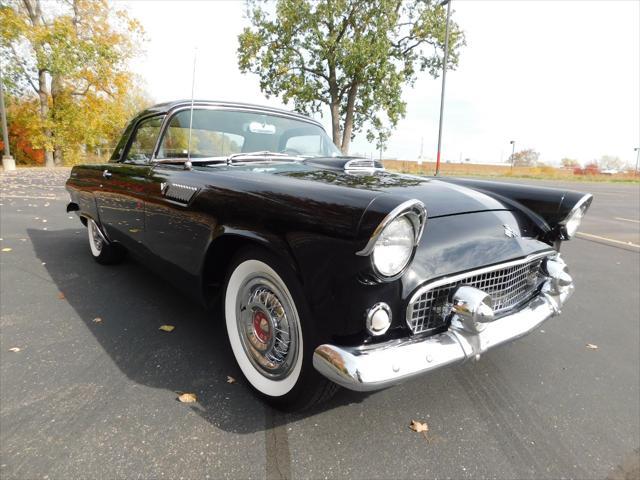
x=97, y=399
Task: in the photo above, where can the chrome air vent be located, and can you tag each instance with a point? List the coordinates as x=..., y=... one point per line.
x=178, y=192
x=363, y=165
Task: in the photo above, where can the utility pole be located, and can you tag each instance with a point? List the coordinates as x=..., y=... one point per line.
x=444, y=79
x=8, y=163
x=637, y=149
x=421, y=151
x=513, y=152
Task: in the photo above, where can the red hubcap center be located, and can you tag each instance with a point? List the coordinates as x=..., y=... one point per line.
x=261, y=326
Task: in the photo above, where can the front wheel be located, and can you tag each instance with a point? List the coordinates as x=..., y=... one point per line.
x=101, y=250
x=265, y=315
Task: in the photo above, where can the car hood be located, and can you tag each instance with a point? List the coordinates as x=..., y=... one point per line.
x=441, y=198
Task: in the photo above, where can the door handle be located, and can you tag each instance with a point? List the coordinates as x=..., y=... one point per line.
x=106, y=174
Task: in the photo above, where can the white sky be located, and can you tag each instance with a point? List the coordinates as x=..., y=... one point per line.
x=562, y=77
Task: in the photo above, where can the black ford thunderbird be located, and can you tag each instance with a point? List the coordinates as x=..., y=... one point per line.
x=329, y=270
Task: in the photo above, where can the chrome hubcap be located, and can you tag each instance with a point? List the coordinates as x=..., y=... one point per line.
x=268, y=326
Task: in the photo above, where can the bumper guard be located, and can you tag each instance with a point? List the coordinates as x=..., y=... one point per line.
x=378, y=366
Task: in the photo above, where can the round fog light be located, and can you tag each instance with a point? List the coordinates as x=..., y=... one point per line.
x=378, y=319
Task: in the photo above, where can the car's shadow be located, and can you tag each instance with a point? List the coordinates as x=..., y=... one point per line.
x=132, y=304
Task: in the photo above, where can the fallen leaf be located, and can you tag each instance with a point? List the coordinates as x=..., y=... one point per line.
x=230, y=379
x=97, y=320
x=14, y=349
x=188, y=398
x=418, y=426
x=591, y=346
x=61, y=296
x=167, y=328
x=7, y=249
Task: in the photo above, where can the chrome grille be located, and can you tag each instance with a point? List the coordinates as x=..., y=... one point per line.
x=508, y=285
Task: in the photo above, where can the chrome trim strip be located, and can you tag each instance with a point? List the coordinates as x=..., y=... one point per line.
x=415, y=206
x=373, y=367
x=459, y=276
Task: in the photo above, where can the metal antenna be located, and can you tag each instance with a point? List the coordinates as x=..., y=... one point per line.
x=187, y=165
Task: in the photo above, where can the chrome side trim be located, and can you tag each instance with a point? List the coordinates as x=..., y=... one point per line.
x=410, y=206
x=366, y=368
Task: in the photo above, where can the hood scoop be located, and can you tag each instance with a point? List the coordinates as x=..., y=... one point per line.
x=362, y=164
x=348, y=164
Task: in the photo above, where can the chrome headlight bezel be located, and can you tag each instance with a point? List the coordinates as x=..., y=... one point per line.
x=567, y=228
x=416, y=213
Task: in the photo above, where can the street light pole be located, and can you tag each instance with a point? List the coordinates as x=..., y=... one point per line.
x=637, y=149
x=513, y=152
x=444, y=80
x=8, y=163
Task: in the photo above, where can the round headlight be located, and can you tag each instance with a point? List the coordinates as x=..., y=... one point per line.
x=394, y=247
x=573, y=222
x=569, y=226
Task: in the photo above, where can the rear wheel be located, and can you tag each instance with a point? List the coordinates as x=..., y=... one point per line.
x=101, y=250
x=270, y=333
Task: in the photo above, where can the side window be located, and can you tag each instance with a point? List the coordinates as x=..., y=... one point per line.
x=144, y=141
x=210, y=136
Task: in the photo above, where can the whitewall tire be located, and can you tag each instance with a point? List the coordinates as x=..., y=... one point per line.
x=271, y=331
x=257, y=303
x=102, y=250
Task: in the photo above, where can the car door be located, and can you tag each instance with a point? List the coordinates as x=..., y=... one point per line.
x=177, y=231
x=124, y=186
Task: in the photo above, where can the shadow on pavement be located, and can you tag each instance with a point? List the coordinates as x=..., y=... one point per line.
x=133, y=303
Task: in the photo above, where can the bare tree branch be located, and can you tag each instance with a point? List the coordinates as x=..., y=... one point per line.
x=24, y=69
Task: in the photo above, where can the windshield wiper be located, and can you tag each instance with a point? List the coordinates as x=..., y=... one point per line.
x=262, y=156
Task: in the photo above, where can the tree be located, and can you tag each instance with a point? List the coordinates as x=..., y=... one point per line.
x=353, y=56
x=569, y=162
x=73, y=55
x=524, y=158
x=609, y=162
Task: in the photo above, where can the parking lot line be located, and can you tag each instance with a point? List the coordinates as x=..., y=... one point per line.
x=605, y=239
x=626, y=219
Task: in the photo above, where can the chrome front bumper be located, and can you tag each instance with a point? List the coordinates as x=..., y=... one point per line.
x=365, y=368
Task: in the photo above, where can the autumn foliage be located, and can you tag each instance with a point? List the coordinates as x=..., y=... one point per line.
x=69, y=87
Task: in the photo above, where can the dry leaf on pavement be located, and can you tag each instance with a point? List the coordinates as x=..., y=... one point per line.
x=187, y=397
x=591, y=346
x=418, y=426
x=61, y=296
x=167, y=328
x=14, y=349
x=230, y=379
x=97, y=320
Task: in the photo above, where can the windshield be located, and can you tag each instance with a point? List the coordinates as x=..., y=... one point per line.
x=220, y=133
